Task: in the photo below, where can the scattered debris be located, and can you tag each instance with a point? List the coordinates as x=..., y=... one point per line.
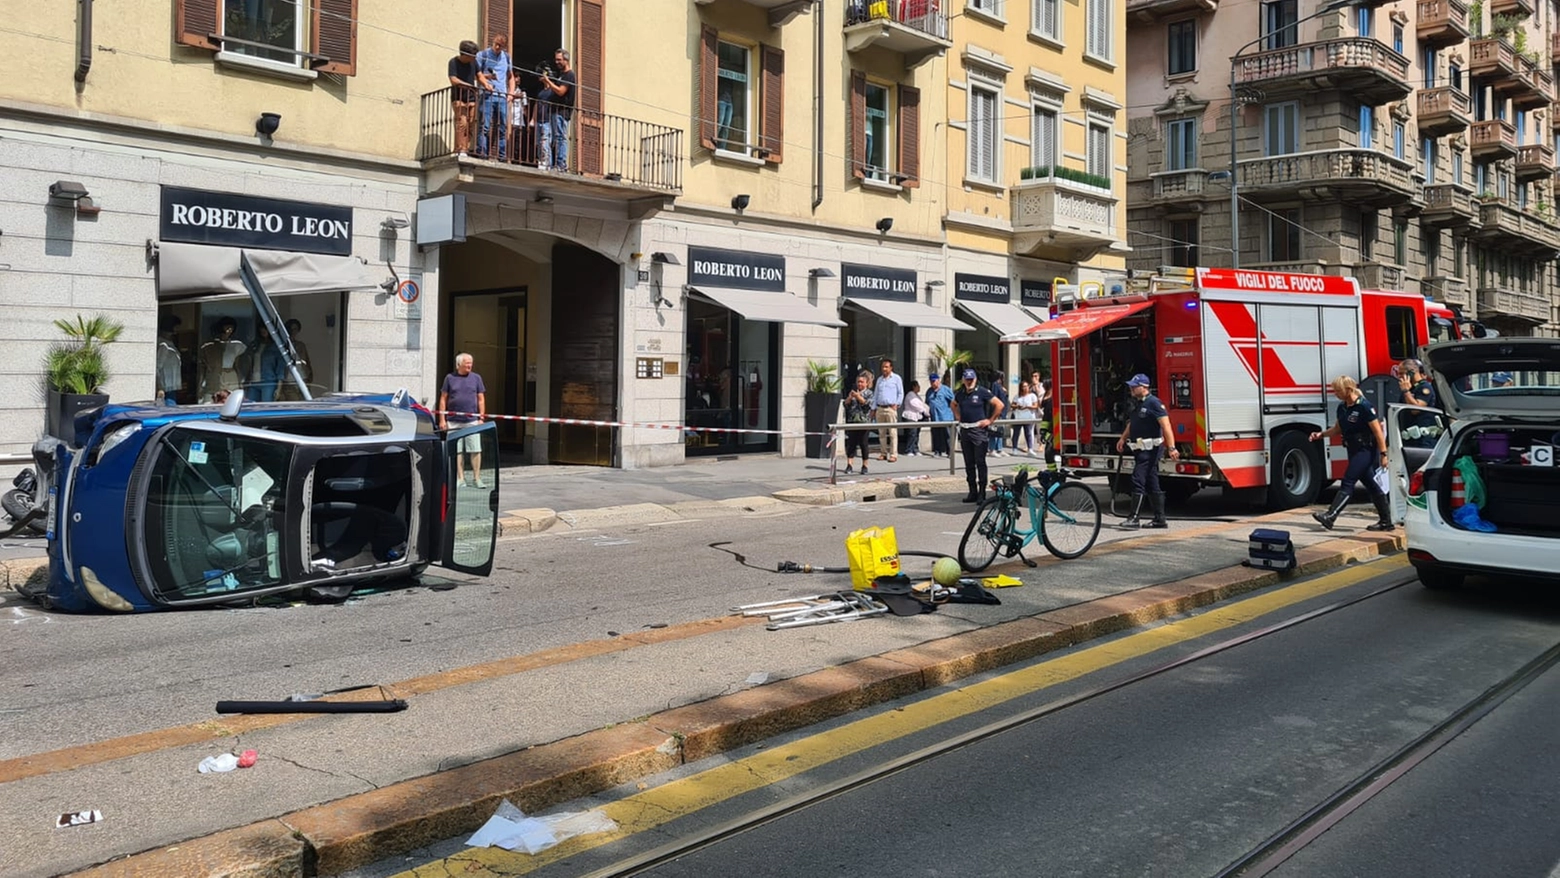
x=247, y=758
x=222, y=762
x=511, y=830
x=758, y=678
x=78, y=818
x=844, y=606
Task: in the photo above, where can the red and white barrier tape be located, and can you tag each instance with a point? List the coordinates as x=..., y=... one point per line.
x=681, y=427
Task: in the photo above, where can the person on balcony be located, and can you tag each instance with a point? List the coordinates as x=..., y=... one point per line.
x=496, y=76
x=463, y=93
x=555, y=107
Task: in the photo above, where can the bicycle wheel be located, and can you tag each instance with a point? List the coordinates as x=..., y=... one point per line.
x=1071, y=520
x=988, y=529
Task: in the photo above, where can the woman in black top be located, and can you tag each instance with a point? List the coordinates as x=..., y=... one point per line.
x=858, y=410
x=1367, y=446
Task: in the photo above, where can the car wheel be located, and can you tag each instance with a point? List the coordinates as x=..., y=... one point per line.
x=1438, y=577
x=17, y=503
x=1295, y=474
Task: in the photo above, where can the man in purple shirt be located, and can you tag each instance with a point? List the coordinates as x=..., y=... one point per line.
x=462, y=402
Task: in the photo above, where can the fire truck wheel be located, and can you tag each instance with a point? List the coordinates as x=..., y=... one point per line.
x=1178, y=491
x=1296, y=474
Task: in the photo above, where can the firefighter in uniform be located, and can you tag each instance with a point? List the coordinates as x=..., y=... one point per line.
x=1366, y=443
x=976, y=408
x=1148, y=434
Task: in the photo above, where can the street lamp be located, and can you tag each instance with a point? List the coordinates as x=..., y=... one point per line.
x=1234, y=119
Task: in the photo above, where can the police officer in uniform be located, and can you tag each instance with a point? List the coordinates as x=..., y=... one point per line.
x=1367, y=446
x=976, y=408
x=1148, y=434
x=1418, y=391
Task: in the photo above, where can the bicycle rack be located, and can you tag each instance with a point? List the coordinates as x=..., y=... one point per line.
x=842, y=606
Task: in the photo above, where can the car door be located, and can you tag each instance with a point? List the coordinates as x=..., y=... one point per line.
x=470, y=492
x=1411, y=433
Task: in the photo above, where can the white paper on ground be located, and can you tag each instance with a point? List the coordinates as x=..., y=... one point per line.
x=510, y=829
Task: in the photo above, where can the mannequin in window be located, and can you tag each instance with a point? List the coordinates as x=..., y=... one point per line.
x=217, y=362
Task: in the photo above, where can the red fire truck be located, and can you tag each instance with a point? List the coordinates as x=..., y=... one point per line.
x=1242, y=360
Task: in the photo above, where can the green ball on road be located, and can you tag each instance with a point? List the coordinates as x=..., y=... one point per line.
x=946, y=572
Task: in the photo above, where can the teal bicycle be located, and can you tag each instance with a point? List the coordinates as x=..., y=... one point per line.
x=1063, y=513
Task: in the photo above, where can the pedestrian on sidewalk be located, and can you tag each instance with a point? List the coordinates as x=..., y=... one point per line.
x=999, y=431
x=915, y=409
x=463, y=402
x=939, y=400
x=1148, y=435
x=978, y=409
x=1026, y=407
x=858, y=410
x=1366, y=443
x=887, y=397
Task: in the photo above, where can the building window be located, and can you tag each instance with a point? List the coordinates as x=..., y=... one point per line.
x=734, y=98
x=1042, y=139
x=1099, y=151
x=1454, y=76
x=1048, y=18
x=1457, y=167
x=982, y=133
x=1099, y=37
x=1284, y=235
x=1481, y=179
x=878, y=131
x=1397, y=38
x=1428, y=155
x=990, y=7
x=1367, y=125
x=1399, y=134
x=1183, y=46
x=1279, y=18
x=1182, y=245
x=1365, y=20
x=1400, y=242
x=1180, y=144
x=1368, y=234
x=268, y=23
x=1432, y=251
x=1281, y=129
x=1428, y=63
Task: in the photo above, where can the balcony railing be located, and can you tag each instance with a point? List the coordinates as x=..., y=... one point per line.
x=1055, y=213
x=1517, y=8
x=1442, y=23
x=1514, y=304
x=1535, y=161
x=916, y=29
x=1492, y=140
x=1362, y=176
x=1446, y=205
x=1541, y=86
x=1365, y=67
x=1446, y=290
x=1443, y=110
x=1180, y=185
x=597, y=146
x=1492, y=58
x=1517, y=230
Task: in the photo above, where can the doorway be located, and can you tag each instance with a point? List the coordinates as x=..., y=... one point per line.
x=490, y=325
x=731, y=379
x=538, y=32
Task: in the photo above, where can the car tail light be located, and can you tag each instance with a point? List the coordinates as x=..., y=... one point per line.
x=1416, y=484
x=1191, y=469
x=1077, y=462
x=1420, y=555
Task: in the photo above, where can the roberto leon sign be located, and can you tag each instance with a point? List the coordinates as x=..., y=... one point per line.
x=736, y=269
x=877, y=282
x=195, y=216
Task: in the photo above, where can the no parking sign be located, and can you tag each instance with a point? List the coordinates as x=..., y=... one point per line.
x=406, y=295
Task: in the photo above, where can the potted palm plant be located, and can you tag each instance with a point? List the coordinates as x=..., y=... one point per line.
x=820, y=404
x=76, y=370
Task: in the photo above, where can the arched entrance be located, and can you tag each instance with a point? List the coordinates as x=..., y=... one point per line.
x=540, y=315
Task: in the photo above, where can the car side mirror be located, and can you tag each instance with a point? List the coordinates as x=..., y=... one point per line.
x=232, y=404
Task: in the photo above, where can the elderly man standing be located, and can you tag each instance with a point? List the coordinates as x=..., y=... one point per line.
x=887, y=397
x=463, y=402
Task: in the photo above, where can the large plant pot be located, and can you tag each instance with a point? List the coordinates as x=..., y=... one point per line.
x=818, y=409
x=59, y=416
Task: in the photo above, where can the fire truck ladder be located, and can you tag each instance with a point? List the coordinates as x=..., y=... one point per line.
x=1069, y=407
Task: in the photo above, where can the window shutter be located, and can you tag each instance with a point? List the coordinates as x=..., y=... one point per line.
x=709, y=67
x=194, y=21
x=334, y=35
x=495, y=21
x=858, y=124
x=772, y=135
x=1044, y=137
x=588, y=81
x=909, y=136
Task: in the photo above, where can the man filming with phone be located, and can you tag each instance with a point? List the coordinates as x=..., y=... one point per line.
x=555, y=107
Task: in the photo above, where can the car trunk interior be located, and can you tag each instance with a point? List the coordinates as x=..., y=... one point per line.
x=361, y=509
x=1519, y=498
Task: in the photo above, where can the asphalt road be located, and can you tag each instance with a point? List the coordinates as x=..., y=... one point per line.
x=1178, y=774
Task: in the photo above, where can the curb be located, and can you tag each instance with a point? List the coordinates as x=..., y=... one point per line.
x=359, y=830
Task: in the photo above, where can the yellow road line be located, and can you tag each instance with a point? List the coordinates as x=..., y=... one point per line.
x=678, y=798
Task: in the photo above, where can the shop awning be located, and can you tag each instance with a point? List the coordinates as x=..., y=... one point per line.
x=1075, y=324
x=774, y=307
x=909, y=314
x=199, y=269
x=1004, y=318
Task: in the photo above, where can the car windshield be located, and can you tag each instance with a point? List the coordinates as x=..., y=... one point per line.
x=213, y=508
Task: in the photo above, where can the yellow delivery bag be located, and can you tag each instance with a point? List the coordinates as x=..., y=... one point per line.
x=873, y=552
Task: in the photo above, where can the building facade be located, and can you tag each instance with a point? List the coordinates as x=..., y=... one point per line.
x=727, y=191
x=1411, y=145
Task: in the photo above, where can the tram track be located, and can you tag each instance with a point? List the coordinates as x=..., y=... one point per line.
x=714, y=835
